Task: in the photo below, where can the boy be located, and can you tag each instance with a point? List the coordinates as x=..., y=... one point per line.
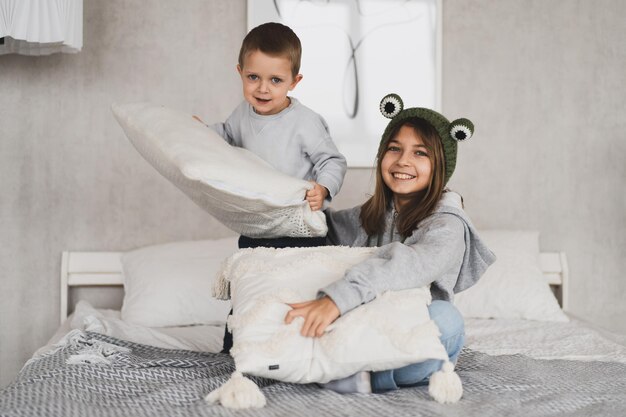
x=278, y=128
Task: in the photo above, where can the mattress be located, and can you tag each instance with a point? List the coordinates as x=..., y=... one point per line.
x=574, y=340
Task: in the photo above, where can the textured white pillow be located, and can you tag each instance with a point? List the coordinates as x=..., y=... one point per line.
x=234, y=185
x=171, y=284
x=513, y=287
x=389, y=332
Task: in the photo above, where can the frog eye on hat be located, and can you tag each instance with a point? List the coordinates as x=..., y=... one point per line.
x=461, y=129
x=391, y=105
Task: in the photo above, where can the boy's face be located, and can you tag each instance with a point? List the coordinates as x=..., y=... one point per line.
x=266, y=81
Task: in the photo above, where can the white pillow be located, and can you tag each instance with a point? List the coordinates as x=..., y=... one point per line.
x=170, y=284
x=389, y=332
x=513, y=287
x=234, y=185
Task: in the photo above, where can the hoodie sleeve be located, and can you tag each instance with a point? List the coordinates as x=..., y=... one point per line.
x=435, y=257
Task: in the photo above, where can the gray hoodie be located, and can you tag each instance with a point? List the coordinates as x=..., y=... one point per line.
x=295, y=141
x=444, y=251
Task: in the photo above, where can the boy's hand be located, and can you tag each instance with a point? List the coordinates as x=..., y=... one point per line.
x=316, y=196
x=317, y=314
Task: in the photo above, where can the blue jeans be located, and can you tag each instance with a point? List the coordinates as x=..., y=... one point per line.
x=452, y=329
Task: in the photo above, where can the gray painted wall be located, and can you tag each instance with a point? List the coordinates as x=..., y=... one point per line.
x=69, y=178
x=543, y=82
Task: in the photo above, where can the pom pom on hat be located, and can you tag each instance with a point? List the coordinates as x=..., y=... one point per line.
x=462, y=129
x=391, y=105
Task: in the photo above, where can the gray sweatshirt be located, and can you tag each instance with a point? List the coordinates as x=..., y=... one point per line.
x=444, y=251
x=295, y=141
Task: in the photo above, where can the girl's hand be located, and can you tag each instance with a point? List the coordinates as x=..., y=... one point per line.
x=317, y=314
x=316, y=196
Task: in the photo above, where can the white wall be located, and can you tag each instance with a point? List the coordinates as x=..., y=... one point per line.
x=543, y=82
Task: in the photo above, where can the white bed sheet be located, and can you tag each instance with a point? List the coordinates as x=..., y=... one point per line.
x=574, y=340
x=204, y=338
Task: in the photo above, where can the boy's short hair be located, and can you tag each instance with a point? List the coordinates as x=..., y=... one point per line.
x=273, y=39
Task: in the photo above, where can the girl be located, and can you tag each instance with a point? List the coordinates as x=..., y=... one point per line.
x=425, y=238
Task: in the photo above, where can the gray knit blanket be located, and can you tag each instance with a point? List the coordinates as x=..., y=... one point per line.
x=110, y=377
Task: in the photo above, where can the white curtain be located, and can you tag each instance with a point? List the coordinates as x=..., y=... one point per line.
x=41, y=27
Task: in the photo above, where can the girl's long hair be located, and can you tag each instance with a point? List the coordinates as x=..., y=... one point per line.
x=373, y=211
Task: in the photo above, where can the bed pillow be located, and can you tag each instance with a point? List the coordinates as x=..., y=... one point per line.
x=171, y=284
x=514, y=286
x=234, y=185
x=389, y=332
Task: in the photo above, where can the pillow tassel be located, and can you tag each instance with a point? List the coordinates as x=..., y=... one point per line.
x=445, y=385
x=238, y=392
x=221, y=288
x=221, y=285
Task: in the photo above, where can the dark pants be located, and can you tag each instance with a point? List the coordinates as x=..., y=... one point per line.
x=279, y=243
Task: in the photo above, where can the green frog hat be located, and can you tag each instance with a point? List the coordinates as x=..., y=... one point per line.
x=392, y=107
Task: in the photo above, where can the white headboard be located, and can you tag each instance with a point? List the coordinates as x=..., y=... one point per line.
x=556, y=272
x=81, y=269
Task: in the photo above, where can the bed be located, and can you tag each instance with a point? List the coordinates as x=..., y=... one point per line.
x=510, y=365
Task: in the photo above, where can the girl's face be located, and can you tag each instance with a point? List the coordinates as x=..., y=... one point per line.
x=406, y=167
